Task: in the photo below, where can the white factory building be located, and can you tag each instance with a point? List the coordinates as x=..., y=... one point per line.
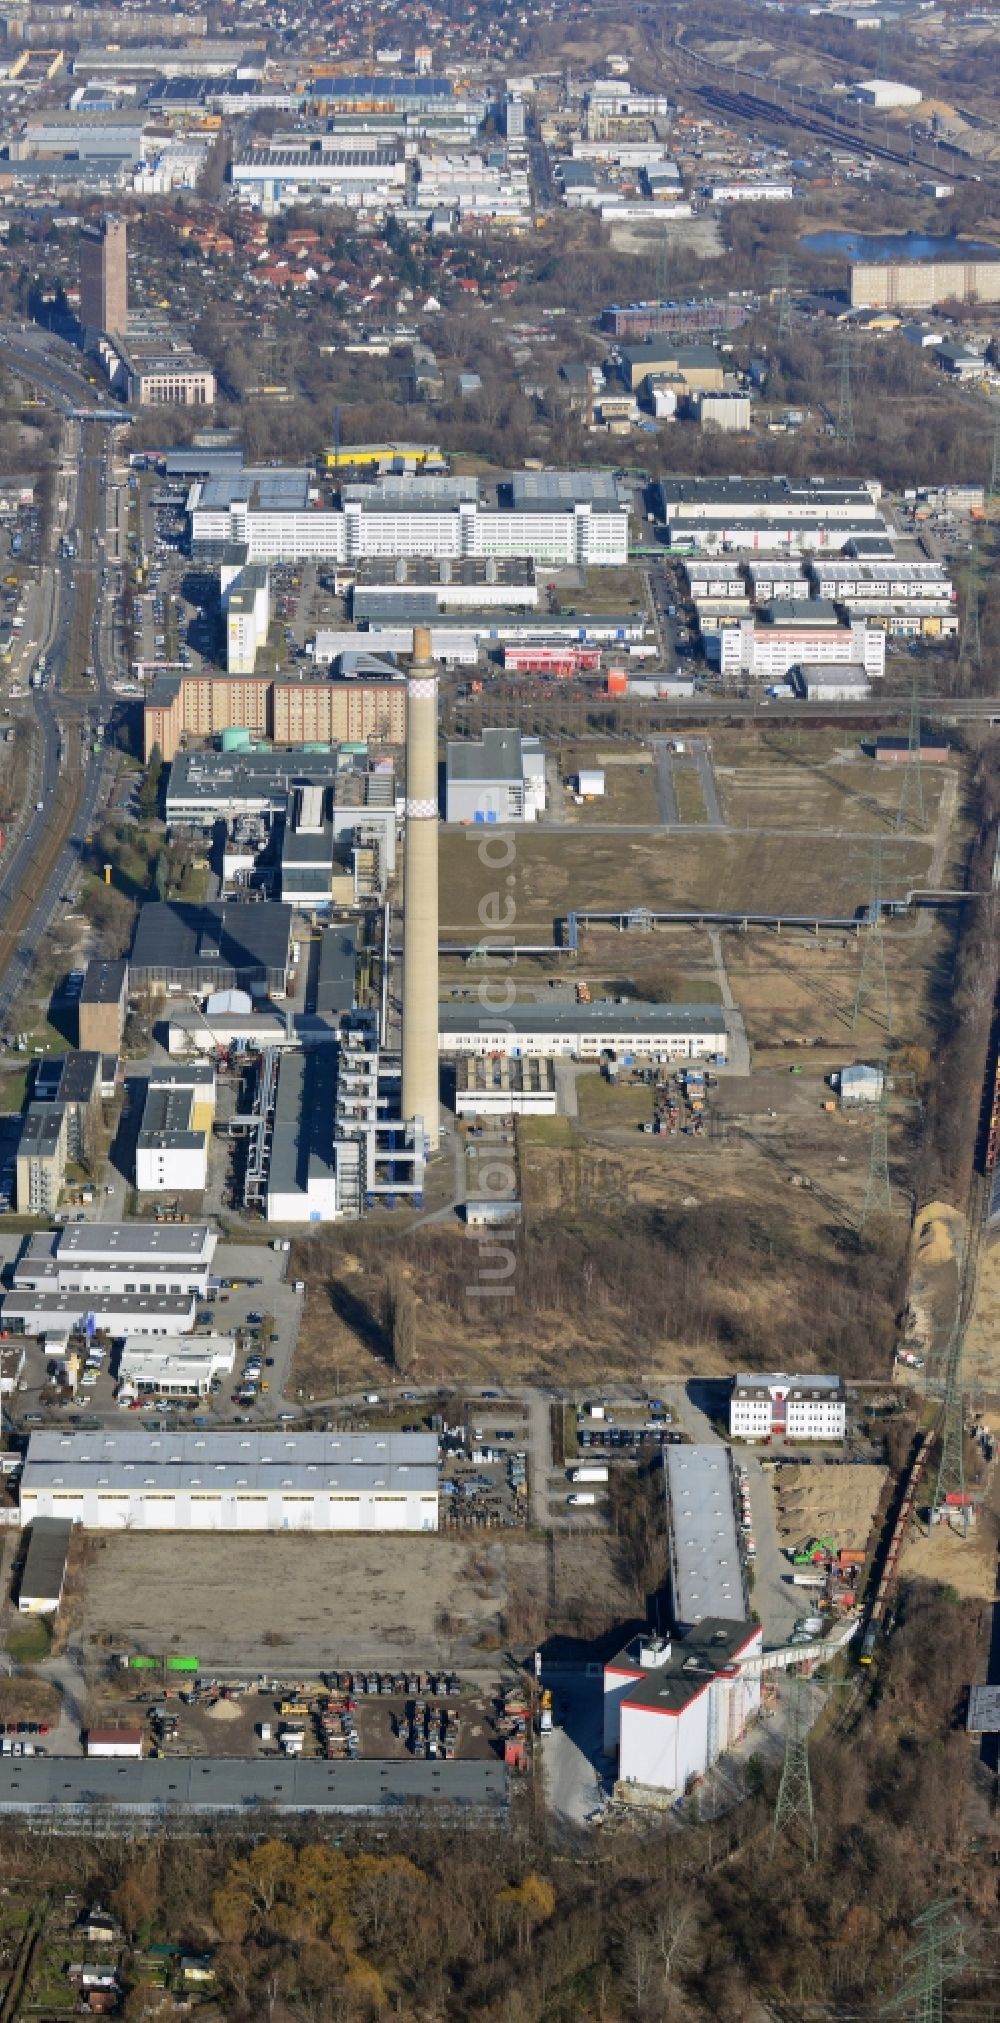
x=586, y=1032
x=777, y=1406
x=171, y=1154
x=768, y=652
x=123, y=1278
x=233, y=1481
x=176, y=1366
x=672, y=1707
x=276, y=516
x=499, y=777
x=721, y=516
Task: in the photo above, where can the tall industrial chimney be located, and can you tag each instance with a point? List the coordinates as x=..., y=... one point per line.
x=421, y=1074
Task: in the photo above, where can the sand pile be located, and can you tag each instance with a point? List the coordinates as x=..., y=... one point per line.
x=814, y=1501
x=935, y=1233
x=224, y=1710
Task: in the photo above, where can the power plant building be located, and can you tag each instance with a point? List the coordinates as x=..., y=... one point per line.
x=673, y=1706
x=499, y=777
x=180, y=949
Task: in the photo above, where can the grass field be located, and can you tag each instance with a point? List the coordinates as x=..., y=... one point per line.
x=629, y=791
x=602, y=1104
x=688, y=795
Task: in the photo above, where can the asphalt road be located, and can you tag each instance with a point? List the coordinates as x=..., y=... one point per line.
x=60, y=717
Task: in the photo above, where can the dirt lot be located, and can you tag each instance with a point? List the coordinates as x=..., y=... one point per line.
x=820, y=1502
x=555, y=870
x=817, y=780
x=305, y=1605
x=969, y=1565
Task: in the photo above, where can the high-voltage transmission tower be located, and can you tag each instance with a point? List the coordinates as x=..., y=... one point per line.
x=949, y=1489
x=911, y=808
x=934, y=1958
x=970, y=645
x=994, y=491
x=843, y=427
x=950, y=1482
x=872, y=994
x=780, y=287
x=794, y=1811
x=878, y=1188
x=663, y=269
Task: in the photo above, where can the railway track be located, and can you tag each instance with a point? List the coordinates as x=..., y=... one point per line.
x=755, y=111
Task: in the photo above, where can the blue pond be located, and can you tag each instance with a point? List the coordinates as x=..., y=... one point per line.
x=896, y=246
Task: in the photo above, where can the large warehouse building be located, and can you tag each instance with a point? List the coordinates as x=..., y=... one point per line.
x=586, y=1032
x=706, y=1570
x=233, y=1481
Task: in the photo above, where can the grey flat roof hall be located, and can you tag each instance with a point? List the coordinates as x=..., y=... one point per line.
x=706, y=1573
x=634, y=1018
x=45, y=1560
x=180, y=942
x=210, y=1449
x=165, y=1787
x=496, y=756
x=558, y=488
x=302, y=1137
x=263, y=488
x=107, y=1240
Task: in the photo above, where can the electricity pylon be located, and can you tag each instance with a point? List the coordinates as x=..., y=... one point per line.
x=878, y=1188
x=780, y=286
x=994, y=490
x=844, y=424
x=970, y=645
x=911, y=795
x=872, y=994
x=951, y=1467
x=662, y=268
x=794, y=1811
x=935, y=1957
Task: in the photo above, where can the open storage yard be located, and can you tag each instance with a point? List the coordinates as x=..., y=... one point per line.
x=812, y=1500
x=316, y=1604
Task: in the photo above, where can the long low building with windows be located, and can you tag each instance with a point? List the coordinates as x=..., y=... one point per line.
x=233, y=1481
x=605, y=1029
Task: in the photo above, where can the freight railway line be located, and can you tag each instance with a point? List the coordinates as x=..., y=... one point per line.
x=757, y=112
